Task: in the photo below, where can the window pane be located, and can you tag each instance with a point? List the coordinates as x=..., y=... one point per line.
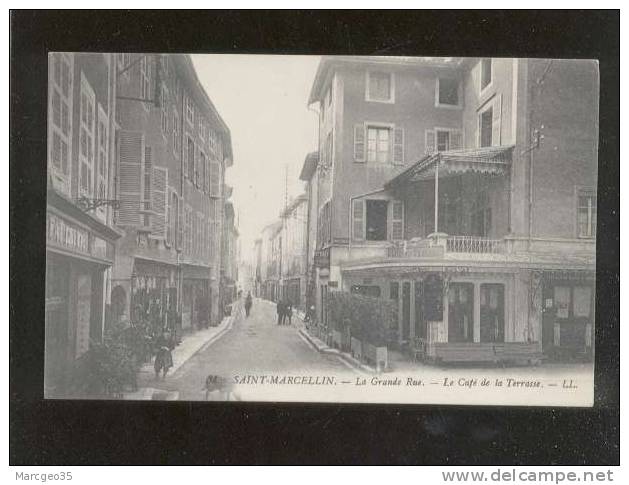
x=443, y=138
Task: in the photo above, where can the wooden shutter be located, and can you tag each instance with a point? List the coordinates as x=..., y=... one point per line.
x=398, y=146
x=431, y=141
x=186, y=155
x=358, y=220
x=180, y=223
x=397, y=220
x=130, y=177
x=159, y=201
x=359, y=142
x=496, y=121
x=456, y=140
x=215, y=179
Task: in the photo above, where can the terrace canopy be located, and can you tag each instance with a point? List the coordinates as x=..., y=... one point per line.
x=486, y=160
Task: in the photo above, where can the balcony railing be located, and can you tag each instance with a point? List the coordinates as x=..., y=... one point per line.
x=474, y=245
x=437, y=245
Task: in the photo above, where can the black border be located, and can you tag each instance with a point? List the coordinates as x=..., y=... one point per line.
x=84, y=432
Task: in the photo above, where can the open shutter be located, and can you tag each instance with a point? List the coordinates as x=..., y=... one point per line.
x=496, y=121
x=215, y=179
x=180, y=223
x=358, y=220
x=456, y=140
x=398, y=146
x=430, y=141
x=397, y=220
x=130, y=177
x=359, y=142
x=159, y=201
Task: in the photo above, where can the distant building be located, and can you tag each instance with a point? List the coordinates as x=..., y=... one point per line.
x=271, y=261
x=229, y=254
x=465, y=190
x=294, y=238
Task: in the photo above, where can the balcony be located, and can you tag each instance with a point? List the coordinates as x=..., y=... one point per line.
x=437, y=245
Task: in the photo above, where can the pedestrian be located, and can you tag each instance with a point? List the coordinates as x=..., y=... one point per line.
x=164, y=356
x=289, y=311
x=248, y=304
x=280, y=312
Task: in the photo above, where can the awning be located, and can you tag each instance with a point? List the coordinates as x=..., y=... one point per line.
x=487, y=160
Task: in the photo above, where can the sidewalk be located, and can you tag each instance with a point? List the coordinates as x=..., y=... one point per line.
x=189, y=346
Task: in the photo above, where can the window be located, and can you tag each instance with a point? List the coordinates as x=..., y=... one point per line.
x=145, y=81
x=202, y=128
x=485, y=126
x=175, y=133
x=190, y=158
x=378, y=144
x=447, y=92
x=586, y=213
x=485, y=73
x=102, y=160
x=60, y=120
x=164, y=110
x=378, y=220
x=380, y=87
x=492, y=312
x=572, y=302
x=86, y=139
x=148, y=183
x=328, y=153
x=189, y=110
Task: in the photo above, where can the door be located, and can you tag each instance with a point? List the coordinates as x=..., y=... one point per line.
x=406, y=311
x=420, y=322
x=461, y=312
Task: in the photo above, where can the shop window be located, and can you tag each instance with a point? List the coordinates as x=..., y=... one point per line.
x=492, y=313
x=461, y=312
x=572, y=302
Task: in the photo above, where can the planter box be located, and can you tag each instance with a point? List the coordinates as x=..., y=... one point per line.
x=356, y=349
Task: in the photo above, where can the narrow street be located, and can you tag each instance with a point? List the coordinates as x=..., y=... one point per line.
x=254, y=346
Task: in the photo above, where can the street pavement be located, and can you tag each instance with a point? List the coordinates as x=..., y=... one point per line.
x=254, y=346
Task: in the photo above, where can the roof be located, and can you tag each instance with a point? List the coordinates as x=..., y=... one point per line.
x=309, y=167
x=329, y=62
x=201, y=96
x=489, y=160
x=293, y=204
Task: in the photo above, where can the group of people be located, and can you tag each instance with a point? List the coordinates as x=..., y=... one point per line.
x=284, y=312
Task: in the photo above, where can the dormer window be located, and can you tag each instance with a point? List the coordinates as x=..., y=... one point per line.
x=380, y=87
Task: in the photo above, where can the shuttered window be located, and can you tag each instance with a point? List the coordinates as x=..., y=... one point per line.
x=148, y=185
x=431, y=142
x=359, y=142
x=130, y=177
x=60, y=120
x=398, y=146
x=102, y=161
x=496, y=121
x=397, y=220
x=159, y=201
x=86, y=139
x=358, y=220
x=489, y=123
x=215, y=179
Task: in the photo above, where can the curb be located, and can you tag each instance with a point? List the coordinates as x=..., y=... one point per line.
x=228, y=326
x=325, y=349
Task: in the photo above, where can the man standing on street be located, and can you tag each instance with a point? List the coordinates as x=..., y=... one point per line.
x=280, y=312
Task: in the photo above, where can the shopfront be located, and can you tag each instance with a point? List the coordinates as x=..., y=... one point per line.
x=79, y=252
x=568, y=314
x=196, y=298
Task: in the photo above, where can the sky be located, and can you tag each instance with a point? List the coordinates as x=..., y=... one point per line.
x=263, y=100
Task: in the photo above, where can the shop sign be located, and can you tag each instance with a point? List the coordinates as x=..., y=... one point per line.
x=61, y=233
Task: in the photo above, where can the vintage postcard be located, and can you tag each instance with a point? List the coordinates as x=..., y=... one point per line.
x=363, y=229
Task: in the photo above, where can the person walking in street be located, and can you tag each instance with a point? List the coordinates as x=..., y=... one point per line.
x=248, y=304
x=164, y=356
x=288, y=312
x=280, y=312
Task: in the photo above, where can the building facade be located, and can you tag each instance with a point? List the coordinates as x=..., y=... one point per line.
x=80, y=236
x=465, y=190
x=294, y=237
x=229, y=255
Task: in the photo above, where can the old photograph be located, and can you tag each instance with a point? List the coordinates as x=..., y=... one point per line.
x=341, y=229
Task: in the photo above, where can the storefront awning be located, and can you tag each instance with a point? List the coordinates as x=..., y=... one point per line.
x=487, y=160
